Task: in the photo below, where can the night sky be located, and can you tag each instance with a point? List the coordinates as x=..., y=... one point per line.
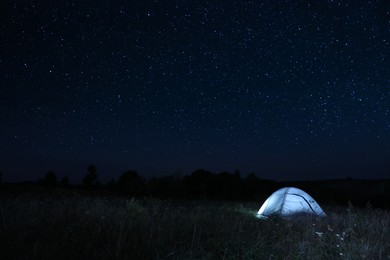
x=289, y=90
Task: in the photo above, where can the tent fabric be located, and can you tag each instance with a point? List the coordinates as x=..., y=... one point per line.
x=288, y=202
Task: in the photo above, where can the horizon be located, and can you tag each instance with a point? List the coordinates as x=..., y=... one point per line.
x=75, y=178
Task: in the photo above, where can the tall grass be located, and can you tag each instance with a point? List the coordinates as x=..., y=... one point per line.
x=85, y=227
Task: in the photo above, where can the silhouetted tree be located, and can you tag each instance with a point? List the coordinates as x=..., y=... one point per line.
x=204, y=184
x=90, y=178
x=228, y=186
x=111, y=185
x=64, y=182
x=251, y=186
x=166, y=187
x=200, y=184
x=130, y=182
x=256, y=188
x=50, y=179
x=252, y=177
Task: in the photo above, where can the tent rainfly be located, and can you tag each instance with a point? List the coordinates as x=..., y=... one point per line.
x=289, y=202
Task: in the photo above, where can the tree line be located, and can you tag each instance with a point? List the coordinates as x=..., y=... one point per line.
x=200, y=184
x=203, y=184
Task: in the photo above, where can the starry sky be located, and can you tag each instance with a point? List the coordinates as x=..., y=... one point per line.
x=289, y=90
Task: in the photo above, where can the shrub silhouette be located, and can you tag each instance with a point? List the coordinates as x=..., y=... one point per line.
x=64, y=182
x=204, y=184
x=199, y=183
x=90, y=178
x=111, y=185
x=166, y=187
x=131, y=183
x=50, y=179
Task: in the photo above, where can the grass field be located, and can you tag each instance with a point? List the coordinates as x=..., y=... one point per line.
x=90, y=227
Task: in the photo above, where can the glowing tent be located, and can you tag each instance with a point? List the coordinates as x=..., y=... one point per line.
x=289, y=202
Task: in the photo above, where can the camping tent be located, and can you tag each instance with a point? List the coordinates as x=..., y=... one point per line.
x=288, y=202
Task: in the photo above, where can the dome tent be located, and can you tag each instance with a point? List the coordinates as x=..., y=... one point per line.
x=289, y=202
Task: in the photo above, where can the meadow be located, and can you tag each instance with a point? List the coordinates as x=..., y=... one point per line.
x=76, y=226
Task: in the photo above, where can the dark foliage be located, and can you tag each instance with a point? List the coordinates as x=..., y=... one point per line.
x=166, y=187
x=131, y=183
x=111, y=185
x=91, y=177
x=50, y=179
x=203, y=184
x=64, y=182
